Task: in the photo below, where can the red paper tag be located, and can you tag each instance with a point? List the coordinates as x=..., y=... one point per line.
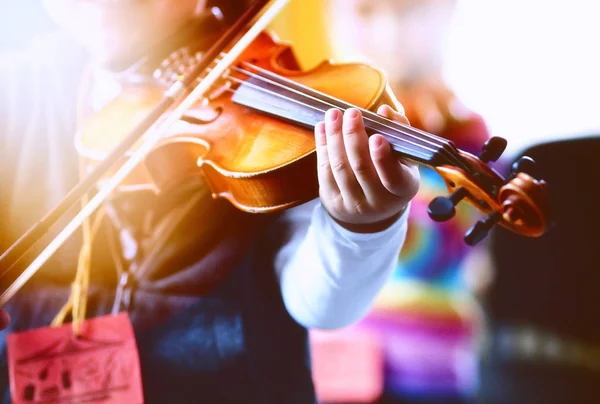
x=51, y=365
x=347, y=366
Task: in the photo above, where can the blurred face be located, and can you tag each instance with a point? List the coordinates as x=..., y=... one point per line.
x=405, y=38
x=108, y=29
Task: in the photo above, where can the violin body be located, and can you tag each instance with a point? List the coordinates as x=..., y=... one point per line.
x=257, y=162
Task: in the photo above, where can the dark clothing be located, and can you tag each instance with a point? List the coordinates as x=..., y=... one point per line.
x=550, y=284
x=508, y=381
x=236, y=344
x=553, y=281
x=231, y=342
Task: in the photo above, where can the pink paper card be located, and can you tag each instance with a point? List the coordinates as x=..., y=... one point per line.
x=51, y=365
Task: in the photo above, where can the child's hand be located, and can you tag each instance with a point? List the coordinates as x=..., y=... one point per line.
x=362, y=184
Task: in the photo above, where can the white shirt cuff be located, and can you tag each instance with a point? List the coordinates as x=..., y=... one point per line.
x=365, y=240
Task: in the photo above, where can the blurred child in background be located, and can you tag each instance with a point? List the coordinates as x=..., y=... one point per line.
x=424, y=319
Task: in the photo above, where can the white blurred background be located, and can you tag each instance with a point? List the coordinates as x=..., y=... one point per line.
x=530, y=67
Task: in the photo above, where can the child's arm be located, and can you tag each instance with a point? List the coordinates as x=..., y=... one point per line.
x=342, y=251
x=330, y=276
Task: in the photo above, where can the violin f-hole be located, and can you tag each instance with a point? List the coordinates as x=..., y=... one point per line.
x=194, y=119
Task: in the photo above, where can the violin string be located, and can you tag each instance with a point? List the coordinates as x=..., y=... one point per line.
x=392, y=136
x=408, y=148
x=326, y=104
x=442, y=145
x=367, y=115
x=317, y=95
x=264, y=90
x=288, y=83
x=370, y=116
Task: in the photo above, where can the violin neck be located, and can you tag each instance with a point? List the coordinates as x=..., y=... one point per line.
x=284, y=99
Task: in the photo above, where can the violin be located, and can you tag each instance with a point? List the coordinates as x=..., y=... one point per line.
x=251, y=113
x=255, y=146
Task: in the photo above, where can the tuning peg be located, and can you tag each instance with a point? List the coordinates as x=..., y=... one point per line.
x=493, y=149
x=480, y=230
x=442, y=208
x=524, y=165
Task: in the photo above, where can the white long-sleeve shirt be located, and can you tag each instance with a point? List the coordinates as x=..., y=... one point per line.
x=328, y=275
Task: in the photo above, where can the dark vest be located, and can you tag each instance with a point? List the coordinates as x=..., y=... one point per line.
x=236, y=343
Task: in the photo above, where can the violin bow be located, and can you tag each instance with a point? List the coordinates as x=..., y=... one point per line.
x=16, y=251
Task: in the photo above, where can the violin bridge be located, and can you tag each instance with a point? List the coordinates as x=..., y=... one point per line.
x=224, y=87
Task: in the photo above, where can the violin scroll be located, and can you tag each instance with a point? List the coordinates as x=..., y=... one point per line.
x=519, y=203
